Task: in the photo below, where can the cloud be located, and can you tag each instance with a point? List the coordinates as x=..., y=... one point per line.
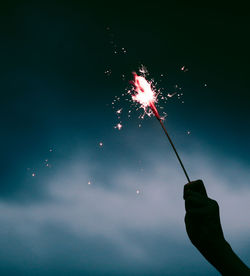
x=107, y=227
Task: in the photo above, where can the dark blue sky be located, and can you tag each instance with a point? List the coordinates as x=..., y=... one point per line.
x=56, y=108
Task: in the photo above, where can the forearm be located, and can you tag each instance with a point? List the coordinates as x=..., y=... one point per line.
x=226, y=261
x=205, y=232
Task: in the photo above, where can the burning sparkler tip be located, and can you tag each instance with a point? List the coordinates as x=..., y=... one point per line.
x=144, y=94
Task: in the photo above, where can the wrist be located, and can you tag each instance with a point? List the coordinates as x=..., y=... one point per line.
x=226, y=261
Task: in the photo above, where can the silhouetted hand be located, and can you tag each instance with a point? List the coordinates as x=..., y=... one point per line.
x=202, y=218
x=205, y=232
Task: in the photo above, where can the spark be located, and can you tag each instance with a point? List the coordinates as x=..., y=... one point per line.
x=184, y=69
x=171, y=95
x=118, y=126
x=33, y=174
x=108, y=72
x=137, y=192
x=119, y=111
x=101, y=144
x=188, y=132
x=124, y=50
x=89, y=182
x=143, y=70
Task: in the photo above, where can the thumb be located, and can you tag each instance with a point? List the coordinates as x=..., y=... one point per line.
x=194, y=186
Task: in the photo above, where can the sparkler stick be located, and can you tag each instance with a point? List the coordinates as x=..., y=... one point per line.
x=146, y=96
x=177, y=155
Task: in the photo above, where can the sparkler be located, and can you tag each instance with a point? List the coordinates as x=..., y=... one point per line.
x=146, y=96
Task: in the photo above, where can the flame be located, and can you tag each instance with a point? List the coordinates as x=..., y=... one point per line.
x=144, y=94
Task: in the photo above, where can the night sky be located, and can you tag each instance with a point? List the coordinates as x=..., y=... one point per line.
x=70, y=206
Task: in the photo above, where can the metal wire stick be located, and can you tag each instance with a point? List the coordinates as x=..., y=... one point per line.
x=177, y=155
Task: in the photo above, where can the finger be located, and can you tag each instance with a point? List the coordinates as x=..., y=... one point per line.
x=212, y=209
x=195, y=186
x=195, y=200
x=203, y=211
x=202, y=197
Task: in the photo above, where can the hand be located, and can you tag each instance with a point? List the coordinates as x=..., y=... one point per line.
x=202, y=218
x=205, y=232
